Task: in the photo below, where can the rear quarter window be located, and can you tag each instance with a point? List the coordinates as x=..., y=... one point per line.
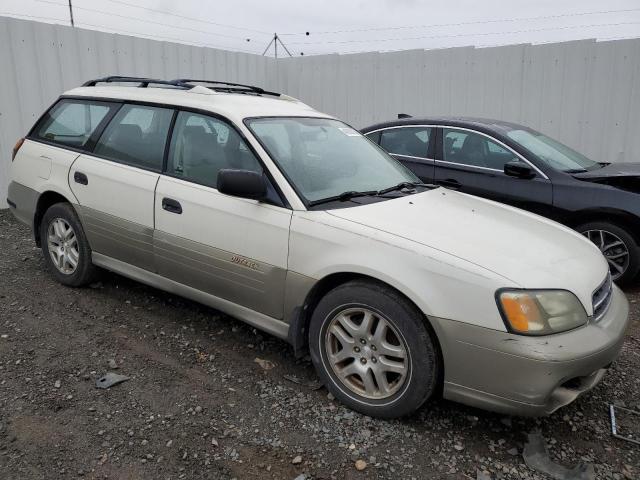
x=73, y=123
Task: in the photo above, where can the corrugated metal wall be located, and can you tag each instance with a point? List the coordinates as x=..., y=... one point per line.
x=584, y=93
x=39, y=61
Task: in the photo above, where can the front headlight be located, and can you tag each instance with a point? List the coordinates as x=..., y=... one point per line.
x=540, y=312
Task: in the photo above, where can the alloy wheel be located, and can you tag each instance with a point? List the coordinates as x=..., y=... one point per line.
x=367, y=353
x=62, y=244
x=613, y=249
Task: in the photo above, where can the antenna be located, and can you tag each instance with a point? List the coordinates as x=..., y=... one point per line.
x=71, y=13
x=274, y=41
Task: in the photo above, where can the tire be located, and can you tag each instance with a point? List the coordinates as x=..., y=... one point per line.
x=613, y=233
x=398, y=394
x=75, y=244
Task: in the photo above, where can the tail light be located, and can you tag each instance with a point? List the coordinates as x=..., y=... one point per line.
x=16, y=148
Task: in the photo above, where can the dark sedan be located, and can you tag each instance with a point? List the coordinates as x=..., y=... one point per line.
x=516, y=165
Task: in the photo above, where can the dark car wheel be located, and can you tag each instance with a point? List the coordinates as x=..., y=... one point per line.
x=617, y=246
x=65, y=247
x=373, y=351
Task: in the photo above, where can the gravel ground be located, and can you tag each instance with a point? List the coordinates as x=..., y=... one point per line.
x=199, y=405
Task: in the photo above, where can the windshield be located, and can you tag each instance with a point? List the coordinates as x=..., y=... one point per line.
x=552, y=152
x=324, y=157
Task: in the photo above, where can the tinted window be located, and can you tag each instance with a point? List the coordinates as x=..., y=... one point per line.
x=412, y=141
x=201, y=146
x=474, y=149
x=136, y=136
x=374, y=137
x=72, y=122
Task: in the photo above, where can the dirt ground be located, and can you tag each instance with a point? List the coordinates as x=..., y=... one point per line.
x=199, y=405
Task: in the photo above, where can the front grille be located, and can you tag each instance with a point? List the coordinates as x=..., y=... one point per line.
x=602, y=298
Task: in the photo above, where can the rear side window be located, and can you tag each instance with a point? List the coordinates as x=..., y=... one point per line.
x=373, y=136
x=136, y=136
x=407, y=141
x=72, y=122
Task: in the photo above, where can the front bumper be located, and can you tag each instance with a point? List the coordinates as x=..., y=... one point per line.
x=523, y=375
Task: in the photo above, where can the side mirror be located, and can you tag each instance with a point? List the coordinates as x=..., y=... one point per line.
x=242, y=183
x=518, y=169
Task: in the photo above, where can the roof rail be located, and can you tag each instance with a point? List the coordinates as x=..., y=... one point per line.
x=144, y=82
x=227, y=86
x=183, y=83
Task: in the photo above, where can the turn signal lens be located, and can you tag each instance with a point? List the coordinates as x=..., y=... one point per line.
x=541, y=312
x=16, y=148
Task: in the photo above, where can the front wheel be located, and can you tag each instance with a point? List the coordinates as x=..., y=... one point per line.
x=618, y=247
x=373, y=350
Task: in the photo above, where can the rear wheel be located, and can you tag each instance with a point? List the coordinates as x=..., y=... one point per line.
x=618, y=247
x=373, y=351
x=65, y=247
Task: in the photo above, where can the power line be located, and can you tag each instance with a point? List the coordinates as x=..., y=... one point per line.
x=164, y=12
x=478, y=22
x=147, y=21
x=455, y=35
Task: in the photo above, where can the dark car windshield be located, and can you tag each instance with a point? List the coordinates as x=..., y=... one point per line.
x=552, y=152
x=324, y=158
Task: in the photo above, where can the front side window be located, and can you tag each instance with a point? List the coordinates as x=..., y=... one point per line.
x=201, y=146
x=72, y=122
x=136, y=136
x=473, y=149
x=407, y=141
x=323, y=157
x=552, y=152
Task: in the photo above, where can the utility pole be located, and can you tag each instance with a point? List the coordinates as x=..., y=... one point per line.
x=274, y=41
x=71, y=13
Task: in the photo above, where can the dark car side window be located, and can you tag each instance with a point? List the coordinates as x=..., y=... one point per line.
x=406, y=141
x=71, y=123
x=374, y=137
x=474, y=149
x=136, y=136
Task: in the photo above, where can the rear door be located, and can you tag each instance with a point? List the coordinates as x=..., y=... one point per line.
x=233, y=248
x=473, y=162
x=115, y=184
x=410, y=144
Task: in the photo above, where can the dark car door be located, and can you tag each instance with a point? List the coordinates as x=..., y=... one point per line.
x=412, y=145
x=472, y=162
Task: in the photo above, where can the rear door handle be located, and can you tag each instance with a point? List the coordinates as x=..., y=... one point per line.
x=80, y=178
x=171, y=205
x=450, y=183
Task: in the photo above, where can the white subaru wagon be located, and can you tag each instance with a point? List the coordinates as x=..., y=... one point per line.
x=290, y=220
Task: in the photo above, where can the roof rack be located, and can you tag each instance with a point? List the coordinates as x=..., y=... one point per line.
x=227, y=86
x=144, y=82
x=184, y=84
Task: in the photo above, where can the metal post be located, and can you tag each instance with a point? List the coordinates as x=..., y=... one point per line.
x=275, y=43
x=71, y=13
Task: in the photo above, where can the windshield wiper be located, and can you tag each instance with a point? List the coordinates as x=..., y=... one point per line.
x=407, y=185
x=344, y=196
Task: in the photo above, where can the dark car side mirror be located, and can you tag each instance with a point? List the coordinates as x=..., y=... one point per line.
x=518, y=169
x=242, y=183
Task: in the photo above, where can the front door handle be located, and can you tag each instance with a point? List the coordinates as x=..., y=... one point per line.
x=80, y=178
x=450, y=183
x=171, y=205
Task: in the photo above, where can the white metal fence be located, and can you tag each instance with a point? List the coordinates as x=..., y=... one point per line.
x=584, y=93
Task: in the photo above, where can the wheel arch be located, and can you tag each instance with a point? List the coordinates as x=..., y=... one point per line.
x=622, y=219
x=301, y=319
x=45, y=200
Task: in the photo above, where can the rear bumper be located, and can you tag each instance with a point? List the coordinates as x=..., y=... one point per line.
x=22, y=202
x=530, y=376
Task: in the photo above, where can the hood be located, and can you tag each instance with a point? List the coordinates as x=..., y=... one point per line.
x=625, y=176
x=527, y=250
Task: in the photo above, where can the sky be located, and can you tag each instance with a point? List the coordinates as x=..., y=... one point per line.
x=343, y=26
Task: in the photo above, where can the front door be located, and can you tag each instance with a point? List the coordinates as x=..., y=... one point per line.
x=473, y=162
x=233, y=248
